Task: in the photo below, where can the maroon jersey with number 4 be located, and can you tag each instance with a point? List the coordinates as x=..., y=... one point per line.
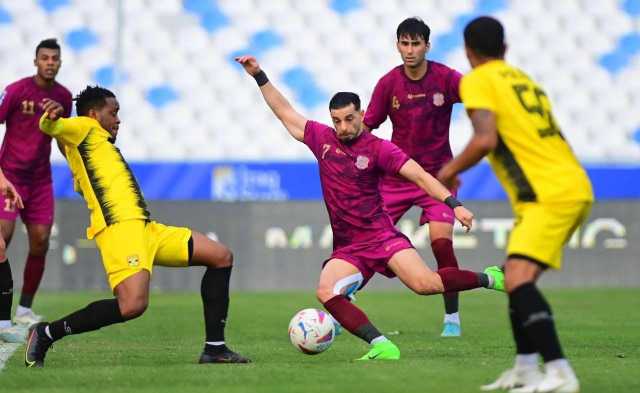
x=420, y=112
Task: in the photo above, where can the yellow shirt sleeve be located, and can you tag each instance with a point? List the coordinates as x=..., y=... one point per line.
x=70, y=131
x=476, y=92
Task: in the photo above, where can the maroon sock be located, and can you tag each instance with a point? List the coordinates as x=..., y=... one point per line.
x=351, y=318
x=454, y=279
x=443, y=251
x=33, y=271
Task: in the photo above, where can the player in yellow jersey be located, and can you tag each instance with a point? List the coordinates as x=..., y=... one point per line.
x=130, y=243
x=549, y=191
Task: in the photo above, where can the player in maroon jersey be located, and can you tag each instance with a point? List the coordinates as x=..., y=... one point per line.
x=25, y=161
x=418, y=97
x=352, y=163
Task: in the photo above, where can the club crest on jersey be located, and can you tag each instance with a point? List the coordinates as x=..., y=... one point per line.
x=362, y=162
x=133, y=260
x=438, y=99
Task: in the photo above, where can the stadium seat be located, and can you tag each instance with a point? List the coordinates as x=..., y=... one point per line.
x=177, y=56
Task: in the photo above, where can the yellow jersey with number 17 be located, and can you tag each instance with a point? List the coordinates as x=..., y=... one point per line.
x=532, y=160
x=100, y=173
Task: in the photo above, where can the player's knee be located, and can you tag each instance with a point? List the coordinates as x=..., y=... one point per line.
x=39, y=244
x=227, y=258
x=222, y=259
x=324, y=292
x=133, y=308
x=428, y=285
x=512, y=282
x=3, y=249
x=518, y=275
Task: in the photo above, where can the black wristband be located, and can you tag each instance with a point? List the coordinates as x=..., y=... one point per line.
x=452, y=202
x=261, y=78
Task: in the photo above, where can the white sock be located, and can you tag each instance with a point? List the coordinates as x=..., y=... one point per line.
x=214, y=343
x=528, y=360
x=561, y=365
x=22, y=310
x=379, y=339
x=492, y=281
x=452, y=318
x=46, y=330
x=5, y=324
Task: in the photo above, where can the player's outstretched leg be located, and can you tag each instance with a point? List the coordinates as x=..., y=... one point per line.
x=416, y=275
x=332, y=295
x=214, y=290
x=132, y=298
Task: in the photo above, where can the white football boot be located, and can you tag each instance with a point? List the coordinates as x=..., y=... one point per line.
x=555, y=380
x=515, y=377
x=27, y=319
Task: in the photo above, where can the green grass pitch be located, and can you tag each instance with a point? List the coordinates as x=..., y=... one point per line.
x=600, y=330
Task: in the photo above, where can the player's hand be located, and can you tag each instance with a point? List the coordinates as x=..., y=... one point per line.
x=465, y=217
x=52, y=108
x=9, y=191
x=249, y=63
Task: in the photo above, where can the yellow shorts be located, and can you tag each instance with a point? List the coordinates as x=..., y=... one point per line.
x=542, y=229
x=128, y=247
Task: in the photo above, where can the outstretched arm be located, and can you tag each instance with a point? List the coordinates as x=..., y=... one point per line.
x=66, y=131
x=484, y=140
x=293, y=121
x=414, y=173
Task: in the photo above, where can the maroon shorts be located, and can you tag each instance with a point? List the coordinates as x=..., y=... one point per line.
x=400, y=196
x=371, y=258
x=38, y=204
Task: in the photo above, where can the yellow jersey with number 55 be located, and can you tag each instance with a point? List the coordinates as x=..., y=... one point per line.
x=532, y=159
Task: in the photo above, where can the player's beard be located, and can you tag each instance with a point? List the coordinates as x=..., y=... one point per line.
x=351, y=137
x=417, y=63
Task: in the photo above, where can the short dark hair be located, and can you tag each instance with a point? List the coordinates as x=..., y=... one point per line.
x=344, y=98
x=92, y=97
x=49, y=43
x=414, y=27
x=485, y=35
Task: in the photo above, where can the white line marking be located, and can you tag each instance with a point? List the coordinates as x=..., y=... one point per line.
x=8, y=349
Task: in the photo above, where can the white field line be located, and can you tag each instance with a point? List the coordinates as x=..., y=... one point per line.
x=6, y=350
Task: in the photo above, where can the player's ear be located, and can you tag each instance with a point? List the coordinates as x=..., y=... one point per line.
x=428, y=46
x=35, y=61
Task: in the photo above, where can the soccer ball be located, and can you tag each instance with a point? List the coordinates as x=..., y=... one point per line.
x=311, y=331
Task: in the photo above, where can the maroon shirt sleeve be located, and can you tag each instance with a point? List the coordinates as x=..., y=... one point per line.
x=6, y=103
x=453, y=86
x=313, y=136
x=390, y=157
x=378, y=108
